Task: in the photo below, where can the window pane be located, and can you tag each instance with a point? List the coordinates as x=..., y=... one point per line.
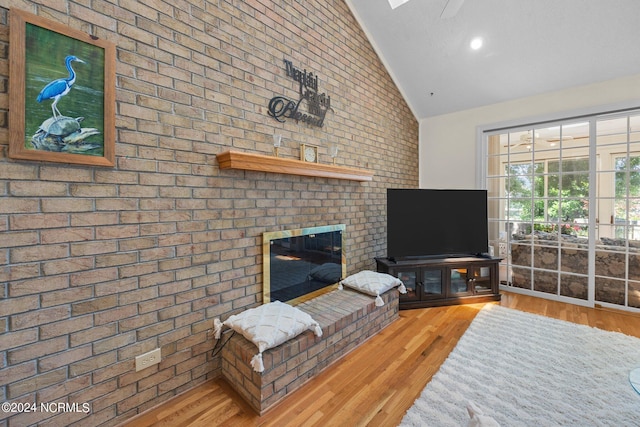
x=539, y=210
x=610, y=290
x=519, y=186
x=575, y=185
x=613, y=131
x=520, y=209
x=575, y=165
x=519, y=142
x=496, y=142
x=574, y=286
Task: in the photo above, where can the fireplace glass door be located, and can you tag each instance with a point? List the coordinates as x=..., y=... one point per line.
x=302, y=263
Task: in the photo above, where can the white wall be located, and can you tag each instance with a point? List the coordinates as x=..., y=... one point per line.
x=448, y=142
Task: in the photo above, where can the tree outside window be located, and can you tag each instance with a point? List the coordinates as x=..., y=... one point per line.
x=551, y=201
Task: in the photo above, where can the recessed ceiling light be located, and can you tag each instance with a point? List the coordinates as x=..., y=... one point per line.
x=476, y=43
x=396, y=3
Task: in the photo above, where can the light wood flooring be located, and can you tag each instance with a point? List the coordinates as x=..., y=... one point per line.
x=375, y=384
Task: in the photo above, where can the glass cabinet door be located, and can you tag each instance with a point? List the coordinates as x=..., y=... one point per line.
x=481, y=280
x=432, y=285
x=410, y=280
x=460, y=282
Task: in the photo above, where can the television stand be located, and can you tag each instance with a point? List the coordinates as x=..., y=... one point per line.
x=432, y=282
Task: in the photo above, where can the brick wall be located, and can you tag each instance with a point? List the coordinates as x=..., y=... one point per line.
x=99, y=265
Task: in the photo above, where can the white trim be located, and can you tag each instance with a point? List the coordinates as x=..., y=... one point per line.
x=545, y=295
x=481, y=156
x=593, y=200
x=617, y=307
x=560, y=115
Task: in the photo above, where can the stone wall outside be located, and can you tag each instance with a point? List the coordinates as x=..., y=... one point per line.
x=610, y=265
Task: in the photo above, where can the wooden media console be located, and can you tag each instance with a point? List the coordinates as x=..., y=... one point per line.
x=434, y=281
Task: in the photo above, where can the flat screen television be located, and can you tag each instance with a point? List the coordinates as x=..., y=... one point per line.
x=430, y=223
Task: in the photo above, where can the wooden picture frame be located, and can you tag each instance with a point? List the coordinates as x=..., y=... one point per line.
x=77, y=127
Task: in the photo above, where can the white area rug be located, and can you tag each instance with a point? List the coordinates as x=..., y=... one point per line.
x=528, y=370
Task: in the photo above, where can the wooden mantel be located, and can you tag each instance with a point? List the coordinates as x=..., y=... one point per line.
x=262, y=163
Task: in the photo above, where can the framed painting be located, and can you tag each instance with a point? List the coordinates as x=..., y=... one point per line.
x=62, y=93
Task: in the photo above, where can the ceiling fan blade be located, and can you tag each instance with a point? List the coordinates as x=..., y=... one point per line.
x=563, y=138
x=451, y=8
x=396, y=3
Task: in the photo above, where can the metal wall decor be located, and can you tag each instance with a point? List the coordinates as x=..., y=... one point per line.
x=281, y=108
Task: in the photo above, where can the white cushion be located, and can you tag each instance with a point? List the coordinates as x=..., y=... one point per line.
x=270, y=325
x=373, y=283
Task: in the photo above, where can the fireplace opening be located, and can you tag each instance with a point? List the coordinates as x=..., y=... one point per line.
x=302, y=263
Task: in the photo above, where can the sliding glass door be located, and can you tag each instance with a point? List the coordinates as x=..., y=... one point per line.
x=617, y=252
x=564, y=209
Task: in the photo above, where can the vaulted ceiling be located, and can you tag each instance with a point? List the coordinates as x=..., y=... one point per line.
x=530, y=47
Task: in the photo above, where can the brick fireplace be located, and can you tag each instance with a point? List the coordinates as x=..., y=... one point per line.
x=347, y=319
x=305, y=264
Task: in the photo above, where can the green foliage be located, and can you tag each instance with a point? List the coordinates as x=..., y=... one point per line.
x=559, y=195
x=624, y=164
x=554, y=196
x=627, y=190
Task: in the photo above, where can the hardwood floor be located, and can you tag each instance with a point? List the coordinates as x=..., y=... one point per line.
x=376, y=383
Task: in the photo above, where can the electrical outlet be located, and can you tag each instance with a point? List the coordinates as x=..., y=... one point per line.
x=148, y=359
x=502, y=249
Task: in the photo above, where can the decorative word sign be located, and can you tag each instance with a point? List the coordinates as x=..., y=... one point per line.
x=281, y=107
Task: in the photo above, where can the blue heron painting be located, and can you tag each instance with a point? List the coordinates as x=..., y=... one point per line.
x=60, y=87
x=60, y=132
x=66, y=111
